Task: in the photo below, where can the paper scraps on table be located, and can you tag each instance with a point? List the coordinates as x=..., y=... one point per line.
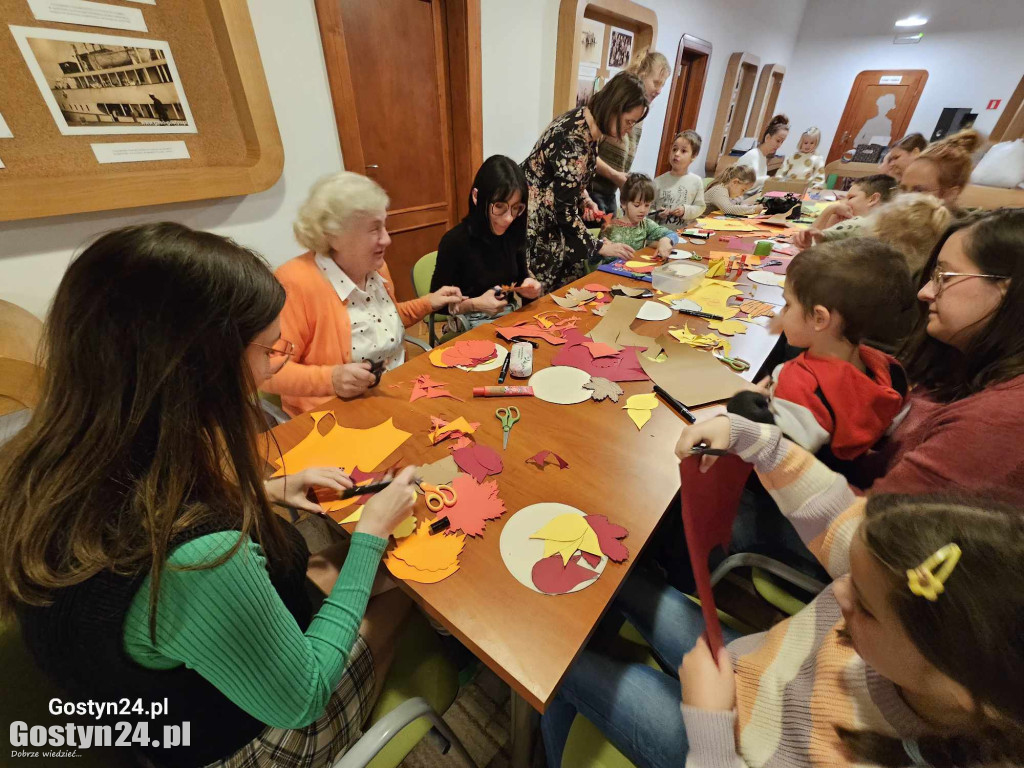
x=630, y=291
x=561, y=385
x=478, y=460
x=540, y=459
x=574, y=297
x=640, y=407
x=464, y=354
x=766, y=278
x=619, y=365
x=440, y=472
x=713, y=295
x=640, y=266
x=552, y=334
x=603, y=388
x=653, y=310
x=597, y=349
x=708, y=341
x=728, y=327
x=600, y=310
x=567, y=534
x=614, y=328
x=727, y=225
x=692, y=376
x=475, y=504
x=608, y=535
x=442, y=430
x=423, y=558
x=553, y=577
x=424, y=386
x=343, y=447
x=685, y=305
x=596, y=288
x=755, y=308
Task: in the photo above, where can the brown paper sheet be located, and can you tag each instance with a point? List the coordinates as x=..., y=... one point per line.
x=692, y=376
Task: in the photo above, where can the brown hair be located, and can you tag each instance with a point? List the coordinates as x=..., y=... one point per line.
x=972, y=633
x=742, y=173
x=638, y=189
x=952, y=155
x=910, y=142
x=912, y=223
x=866, y=282
x=646, y=62
x=621, y=94
x=995, y=243
x=692, y=137
x=147, y=426
x=776, y=124
x=880, y=183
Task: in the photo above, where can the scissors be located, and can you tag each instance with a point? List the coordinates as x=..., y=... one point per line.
x=507, y=417
x=438, y=496
x=738, y=364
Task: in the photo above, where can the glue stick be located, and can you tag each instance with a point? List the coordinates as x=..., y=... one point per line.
x=502, y=391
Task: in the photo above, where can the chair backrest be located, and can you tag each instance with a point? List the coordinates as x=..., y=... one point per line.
x=709, y=505
x=423, y=273
x=785, y=185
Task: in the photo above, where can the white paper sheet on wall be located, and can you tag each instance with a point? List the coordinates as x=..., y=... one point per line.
x=140, y=151
x=89, y=14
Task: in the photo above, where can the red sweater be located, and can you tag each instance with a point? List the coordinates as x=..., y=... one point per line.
x=975, y=444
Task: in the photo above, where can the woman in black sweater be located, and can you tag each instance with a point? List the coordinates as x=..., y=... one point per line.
x=487, y=249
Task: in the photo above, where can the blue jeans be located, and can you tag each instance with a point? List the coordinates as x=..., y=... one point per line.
x=635, y=707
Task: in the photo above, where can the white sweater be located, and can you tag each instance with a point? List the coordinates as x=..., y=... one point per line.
x=686, y=192
x=759, y=163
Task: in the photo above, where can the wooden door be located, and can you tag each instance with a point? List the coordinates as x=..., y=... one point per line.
x=388, y=63
x=688, y=78
x=881, y=104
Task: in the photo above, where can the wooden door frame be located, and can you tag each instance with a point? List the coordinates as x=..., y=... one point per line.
x=861, y=82
x=459, y=77
x=643, y=22
x=675, y=98
x=733, y=108
x=768, y=86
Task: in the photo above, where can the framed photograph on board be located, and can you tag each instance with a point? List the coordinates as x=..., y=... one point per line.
x=106, y=85
x=591, y=43
x=585, y=86
x=620, y=48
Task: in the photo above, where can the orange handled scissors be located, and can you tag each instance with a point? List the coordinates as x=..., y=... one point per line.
x=438, y=496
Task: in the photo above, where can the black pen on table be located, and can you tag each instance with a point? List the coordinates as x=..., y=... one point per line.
x=504, y=368
x=696, y=313
x=675, y=405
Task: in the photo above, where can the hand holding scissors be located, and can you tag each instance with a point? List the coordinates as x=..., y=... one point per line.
x=507, y=417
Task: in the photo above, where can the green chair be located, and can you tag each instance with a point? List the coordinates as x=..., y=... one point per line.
x=422, y=274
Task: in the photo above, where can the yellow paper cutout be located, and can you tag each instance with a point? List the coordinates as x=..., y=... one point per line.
x=343, y=447
x=646, y=402
x=354, y=517
x=753, y=260
x=430, y=553
x=459, y=425
x=713, y=295
x=566, y=534
x=728, y=327
x=402, y=570
x=726, y=225
x=435, y=357
x=405, y=528
x=708, y=341
x=640, y=416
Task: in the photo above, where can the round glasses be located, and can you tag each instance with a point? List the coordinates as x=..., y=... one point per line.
x=502, y=208
x=280, y=350
x=941, y=279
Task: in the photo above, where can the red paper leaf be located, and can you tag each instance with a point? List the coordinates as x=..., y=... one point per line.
x=478, y=460
x=469, y=353
x=592, y=560
x=475, y=504
x=540, y=458
x=424, y=386
x=552, y=578
x=608, y=535
x=530, y=330
x=621, y=366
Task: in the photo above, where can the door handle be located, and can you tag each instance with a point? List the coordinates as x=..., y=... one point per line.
x=372, y=166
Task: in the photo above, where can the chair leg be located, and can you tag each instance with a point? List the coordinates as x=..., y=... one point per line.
x=449, y=736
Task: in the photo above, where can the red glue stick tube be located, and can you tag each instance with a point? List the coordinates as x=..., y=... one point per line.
x=502, y=391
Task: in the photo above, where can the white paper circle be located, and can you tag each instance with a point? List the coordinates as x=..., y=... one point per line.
x=561, y=385
x=677, y=255
x=490, y=365
x=521, y=553
x=654, y=310
x=766, y=278
x=688, y=304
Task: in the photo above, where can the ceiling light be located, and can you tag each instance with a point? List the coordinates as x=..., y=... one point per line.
x=912, y=21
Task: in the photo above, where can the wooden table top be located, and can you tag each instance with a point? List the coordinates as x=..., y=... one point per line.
x=630, y=475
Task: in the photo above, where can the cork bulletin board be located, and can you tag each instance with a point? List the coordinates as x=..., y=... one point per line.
x=57, y=107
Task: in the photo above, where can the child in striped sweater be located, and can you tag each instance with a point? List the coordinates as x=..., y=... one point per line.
x=912, y=656
x=725, y=193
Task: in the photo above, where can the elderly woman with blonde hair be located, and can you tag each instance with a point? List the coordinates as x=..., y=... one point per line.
x=340, y=322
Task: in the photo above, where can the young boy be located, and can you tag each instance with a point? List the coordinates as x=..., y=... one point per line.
x=838, y=397
x=633, y=227
x=846, y=218
x=680, y=194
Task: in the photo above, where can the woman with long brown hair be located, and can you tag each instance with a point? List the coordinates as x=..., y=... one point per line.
x=138, y=547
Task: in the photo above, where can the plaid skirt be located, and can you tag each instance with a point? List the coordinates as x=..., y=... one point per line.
x=322, y=742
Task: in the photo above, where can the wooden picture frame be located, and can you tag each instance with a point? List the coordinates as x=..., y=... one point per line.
x=236, y=150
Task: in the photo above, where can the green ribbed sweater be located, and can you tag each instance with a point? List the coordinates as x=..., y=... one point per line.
x=229, y=624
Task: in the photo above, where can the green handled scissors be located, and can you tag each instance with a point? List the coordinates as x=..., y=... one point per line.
x=507, y=417
x=738, y=364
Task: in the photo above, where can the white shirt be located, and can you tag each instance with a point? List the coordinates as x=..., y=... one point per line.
x=376, y=327
x=686, y=191
x=759, y=163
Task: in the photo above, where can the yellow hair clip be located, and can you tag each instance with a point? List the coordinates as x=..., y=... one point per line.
x=925, y=582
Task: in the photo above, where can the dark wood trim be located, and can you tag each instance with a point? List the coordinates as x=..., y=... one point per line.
x=687, y=109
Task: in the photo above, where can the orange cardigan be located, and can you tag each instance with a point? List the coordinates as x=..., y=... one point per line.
x=316, y=321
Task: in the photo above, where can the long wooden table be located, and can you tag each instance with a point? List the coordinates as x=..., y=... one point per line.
x=529, y=639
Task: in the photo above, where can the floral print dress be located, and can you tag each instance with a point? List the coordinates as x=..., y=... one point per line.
x=558, y=170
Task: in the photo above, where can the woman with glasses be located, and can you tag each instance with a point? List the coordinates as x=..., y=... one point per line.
x=341, y=317
x=965, y=426
x=561, y=166
x=487, y=249
x=140, y=553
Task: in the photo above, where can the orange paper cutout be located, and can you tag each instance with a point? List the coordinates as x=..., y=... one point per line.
x=343, y=447
x=430, y=553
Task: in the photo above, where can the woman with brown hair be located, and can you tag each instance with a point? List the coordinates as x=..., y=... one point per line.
x=943, y=169
x=558, y=171
x=901, y=154
x=138, y=547
x=615, y=155
x=774, y=136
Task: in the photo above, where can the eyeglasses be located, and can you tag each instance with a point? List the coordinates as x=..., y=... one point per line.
x=940, y=278
x=281, y=350
x=500, y=209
